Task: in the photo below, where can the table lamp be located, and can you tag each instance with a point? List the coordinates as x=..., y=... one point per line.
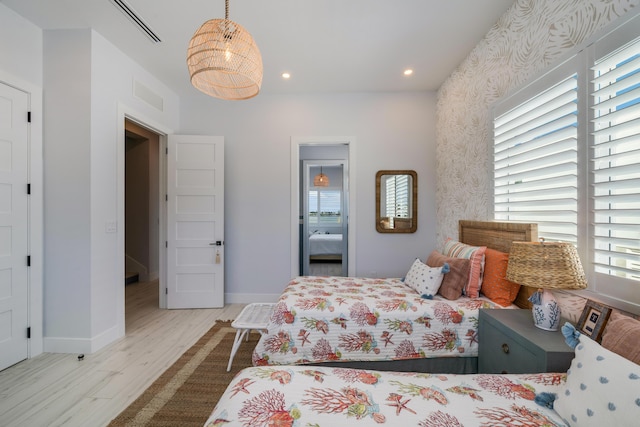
x=545, y=265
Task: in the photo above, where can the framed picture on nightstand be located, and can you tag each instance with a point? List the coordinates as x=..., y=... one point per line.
x=593, y=319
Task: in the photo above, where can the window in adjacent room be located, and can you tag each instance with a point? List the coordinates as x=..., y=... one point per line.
x=325, y=207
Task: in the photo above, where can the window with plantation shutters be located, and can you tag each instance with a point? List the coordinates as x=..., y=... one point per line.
x=535, y=161
x=615, y=98
x=566, y=154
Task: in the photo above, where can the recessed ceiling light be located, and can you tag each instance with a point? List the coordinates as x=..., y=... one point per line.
x=286, y=76
x=408, y=72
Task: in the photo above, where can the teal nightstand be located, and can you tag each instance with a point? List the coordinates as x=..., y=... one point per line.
x=509, y=343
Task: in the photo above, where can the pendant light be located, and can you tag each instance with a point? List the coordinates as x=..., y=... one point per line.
x=321, y=180
x=224, y=61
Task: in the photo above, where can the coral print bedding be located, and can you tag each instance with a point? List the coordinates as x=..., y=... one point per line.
x=322, y=396
x=327, y=319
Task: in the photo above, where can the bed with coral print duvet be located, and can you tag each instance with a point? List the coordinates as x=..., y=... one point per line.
x=336, y=319
x=324, y=396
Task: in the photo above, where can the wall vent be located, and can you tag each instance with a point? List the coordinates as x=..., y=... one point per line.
x=133, y=16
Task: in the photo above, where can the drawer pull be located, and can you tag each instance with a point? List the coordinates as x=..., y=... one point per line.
x=505, y=348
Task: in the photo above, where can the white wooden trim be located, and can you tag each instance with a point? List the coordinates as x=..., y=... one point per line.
x=128, y=113
x=296, y=142
x=36, y=211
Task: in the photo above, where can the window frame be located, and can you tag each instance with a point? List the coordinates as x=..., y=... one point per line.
x=621, y=292
x=339, y=215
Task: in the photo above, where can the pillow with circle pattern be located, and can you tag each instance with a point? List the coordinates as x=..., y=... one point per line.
x=425, y=280
x=602, y=388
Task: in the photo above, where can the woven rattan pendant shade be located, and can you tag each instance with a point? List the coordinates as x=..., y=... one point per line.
x=321, y=180
x=224, y=61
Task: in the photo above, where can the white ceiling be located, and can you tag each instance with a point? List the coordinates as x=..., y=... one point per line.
x=326, y=45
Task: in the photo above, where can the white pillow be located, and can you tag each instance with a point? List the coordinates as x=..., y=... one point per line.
x=425, y=280
x=602, y=388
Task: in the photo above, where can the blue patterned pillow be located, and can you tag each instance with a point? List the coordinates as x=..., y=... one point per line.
x=602, y=388
x=425, y=280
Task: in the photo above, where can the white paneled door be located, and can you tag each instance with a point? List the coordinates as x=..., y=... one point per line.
x=195, y=218
x=14, y=291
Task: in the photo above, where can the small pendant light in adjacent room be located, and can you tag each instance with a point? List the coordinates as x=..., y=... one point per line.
x=321, y=180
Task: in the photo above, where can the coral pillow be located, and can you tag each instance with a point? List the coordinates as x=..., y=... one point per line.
x=495, y=286
x=457, y=277
x=622, y=335
x=456, y=249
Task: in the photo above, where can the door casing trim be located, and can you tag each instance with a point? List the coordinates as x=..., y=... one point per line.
x=35, y=304
x=296, y=143
x=127, y=113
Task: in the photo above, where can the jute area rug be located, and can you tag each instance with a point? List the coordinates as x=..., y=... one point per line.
x=185, y=394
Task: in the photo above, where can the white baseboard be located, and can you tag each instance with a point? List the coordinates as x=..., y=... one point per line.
x=234, y=298
x=80, y=345
x=66, y=345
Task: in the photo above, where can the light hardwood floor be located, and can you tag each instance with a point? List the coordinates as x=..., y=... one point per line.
x=58, y=390
x=325, y=269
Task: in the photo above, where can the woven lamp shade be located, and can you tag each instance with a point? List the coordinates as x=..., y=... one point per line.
x=554, y=265
x=224, y=61
x=321, y=180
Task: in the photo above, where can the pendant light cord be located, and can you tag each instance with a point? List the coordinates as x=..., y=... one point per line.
x=226, y=9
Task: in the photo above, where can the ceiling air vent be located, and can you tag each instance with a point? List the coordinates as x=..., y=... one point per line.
x=133, y=16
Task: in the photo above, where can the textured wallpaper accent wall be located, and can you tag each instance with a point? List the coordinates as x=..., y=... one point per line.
x=526, y=40
x=529, y=38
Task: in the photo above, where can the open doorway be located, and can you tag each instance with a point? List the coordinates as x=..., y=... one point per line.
x=324, y=238
x=141, y=212
x=323, y=211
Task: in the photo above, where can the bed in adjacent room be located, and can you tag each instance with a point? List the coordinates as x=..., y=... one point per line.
x=391, y=324
x=325, y=247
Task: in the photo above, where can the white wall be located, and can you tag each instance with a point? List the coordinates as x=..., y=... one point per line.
x=67, y=184
x=88, y=85
x=20, y=47
x=112, y=83
x=393, y=131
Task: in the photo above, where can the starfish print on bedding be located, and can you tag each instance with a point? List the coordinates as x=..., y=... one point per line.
x=397, y=401
x=241, y=386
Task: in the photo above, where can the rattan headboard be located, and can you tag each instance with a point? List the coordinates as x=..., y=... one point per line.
x=499, y=236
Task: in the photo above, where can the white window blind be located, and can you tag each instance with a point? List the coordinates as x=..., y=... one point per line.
x=567, y=156
x=616, y=163
x=535, y=161
x=397, y=196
